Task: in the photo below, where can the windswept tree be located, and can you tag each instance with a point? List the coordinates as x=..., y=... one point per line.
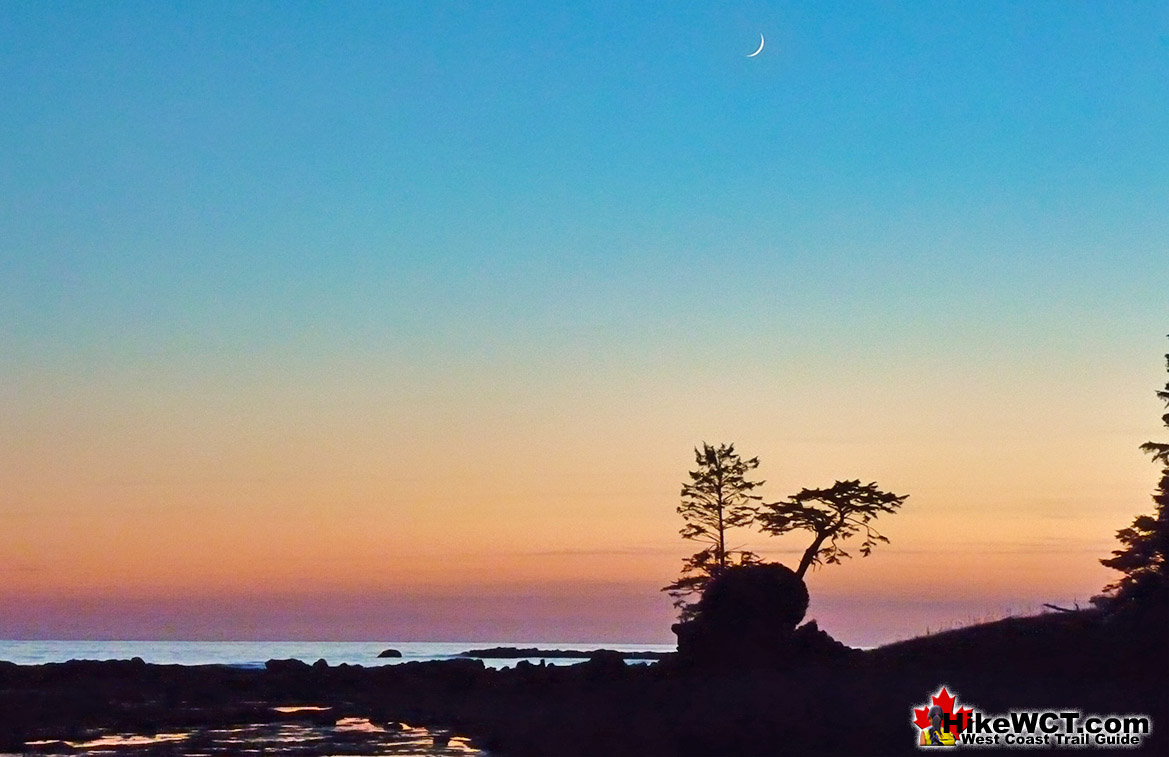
x=1143, y=559
x=717, y=498
x=833, y=515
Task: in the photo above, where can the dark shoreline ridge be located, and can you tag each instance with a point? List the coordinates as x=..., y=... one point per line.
x=519, y=653
x=857, y=702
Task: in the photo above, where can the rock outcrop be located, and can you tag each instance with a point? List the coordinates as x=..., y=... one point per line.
x=748, y=616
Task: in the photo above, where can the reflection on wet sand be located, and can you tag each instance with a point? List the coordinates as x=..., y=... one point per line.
x=348, y=736
x=129, y=741
x=292, y=709
x=359, y=725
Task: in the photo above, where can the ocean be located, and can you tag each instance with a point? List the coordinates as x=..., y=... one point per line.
x=253, y=654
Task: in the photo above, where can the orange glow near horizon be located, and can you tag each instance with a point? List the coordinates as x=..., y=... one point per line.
x=138, y=492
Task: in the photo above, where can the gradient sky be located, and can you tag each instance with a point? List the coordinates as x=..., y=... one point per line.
x=401, y=320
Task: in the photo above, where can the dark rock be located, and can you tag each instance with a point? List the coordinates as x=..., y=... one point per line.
x=768, y=594
x=809, y=642
x=286, y=666
x=605, y=663
x=321, y=664
x=389, y=653
x=606, y=657
x=747, y=616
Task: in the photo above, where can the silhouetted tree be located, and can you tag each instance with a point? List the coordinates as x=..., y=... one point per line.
x=717, y=498
x=833, y=515
x=1142, y=559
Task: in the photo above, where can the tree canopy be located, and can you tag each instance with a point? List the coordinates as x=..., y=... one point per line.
x=717, y=498
x=833, y=515
x=721, y=496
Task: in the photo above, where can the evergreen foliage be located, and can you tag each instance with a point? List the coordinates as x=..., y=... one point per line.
x=717, y=498
x=833, y=515
x=1142, y=558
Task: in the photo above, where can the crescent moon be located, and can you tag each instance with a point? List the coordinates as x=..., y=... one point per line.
x=752, y=55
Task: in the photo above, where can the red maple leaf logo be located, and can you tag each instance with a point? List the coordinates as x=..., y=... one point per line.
x=921, y=717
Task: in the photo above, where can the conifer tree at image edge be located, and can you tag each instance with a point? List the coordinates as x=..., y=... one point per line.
x=1142, y=558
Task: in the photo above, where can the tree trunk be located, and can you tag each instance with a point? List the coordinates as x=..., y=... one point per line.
x=810, y=555
x=722, y=545
x=722, y=528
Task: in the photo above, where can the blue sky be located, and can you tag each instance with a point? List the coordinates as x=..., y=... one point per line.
x=282, y=156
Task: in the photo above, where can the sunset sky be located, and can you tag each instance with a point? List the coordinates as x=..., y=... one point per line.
x=402, y=320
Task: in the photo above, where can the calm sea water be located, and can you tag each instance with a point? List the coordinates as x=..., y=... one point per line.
x=253, y=654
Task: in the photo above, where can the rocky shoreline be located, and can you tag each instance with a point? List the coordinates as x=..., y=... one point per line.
x=604, y=706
